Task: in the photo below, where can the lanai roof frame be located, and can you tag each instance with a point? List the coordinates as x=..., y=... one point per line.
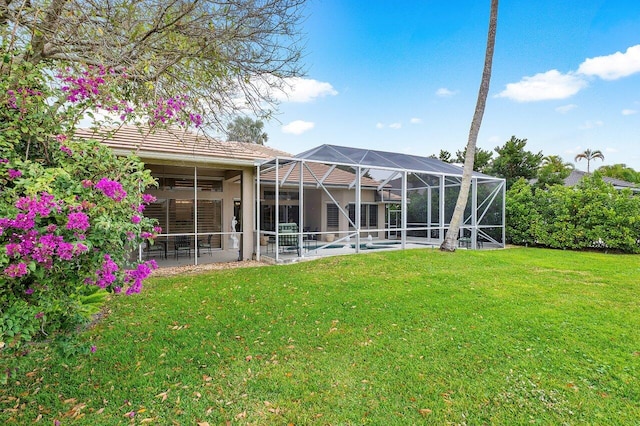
x=361, y=160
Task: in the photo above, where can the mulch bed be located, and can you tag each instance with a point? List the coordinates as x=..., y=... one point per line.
x=193, y=269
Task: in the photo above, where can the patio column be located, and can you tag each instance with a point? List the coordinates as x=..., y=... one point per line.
x=301, y=209
x=277, y=206
x=257, y=212
x=429, y=201
x=441, y=220
x=358, y=210
x=195, y=213
x=504, y=199
x=246, y=195
x=403, y=211
x=474, y=213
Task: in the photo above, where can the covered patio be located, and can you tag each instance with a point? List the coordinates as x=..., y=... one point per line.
x=307, y=204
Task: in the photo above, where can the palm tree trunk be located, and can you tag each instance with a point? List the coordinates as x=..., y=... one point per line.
x=449, y=243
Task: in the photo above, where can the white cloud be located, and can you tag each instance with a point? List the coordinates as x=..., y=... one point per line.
x=566, y=108
x=379, y=126
x=302, y=90
x=611, y=150
x=549, y=85
x=415, y=120
x=592, y=124
x=395, y=125
x=443, y=92
x=556, y=85
x=298, y=127
x=613, y=67
x=629, y=111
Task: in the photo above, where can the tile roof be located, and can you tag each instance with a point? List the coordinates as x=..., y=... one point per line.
x=181, y=145
x=576, y=176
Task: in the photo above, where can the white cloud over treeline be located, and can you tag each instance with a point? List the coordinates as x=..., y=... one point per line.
x=556, y=85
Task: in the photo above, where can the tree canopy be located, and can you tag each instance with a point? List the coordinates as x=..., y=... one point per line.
x=620, y=171
x=226, y=56
x=482, y=159
x=245, y=129
x=553, y=171
x=514, y=162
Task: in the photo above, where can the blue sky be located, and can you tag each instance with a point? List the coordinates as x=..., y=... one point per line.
x=403, y=76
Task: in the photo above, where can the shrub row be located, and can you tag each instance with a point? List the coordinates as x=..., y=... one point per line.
x=591, y=215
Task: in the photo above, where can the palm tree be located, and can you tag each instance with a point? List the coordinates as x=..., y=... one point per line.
x=589, y=155
x=556, y=164
x=449, y=243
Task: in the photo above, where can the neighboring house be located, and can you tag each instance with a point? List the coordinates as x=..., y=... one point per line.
x=577, y=175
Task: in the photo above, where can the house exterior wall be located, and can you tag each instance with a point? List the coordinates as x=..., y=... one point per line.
x=315, y=208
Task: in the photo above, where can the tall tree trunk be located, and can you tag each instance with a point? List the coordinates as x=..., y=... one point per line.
x=449, y=243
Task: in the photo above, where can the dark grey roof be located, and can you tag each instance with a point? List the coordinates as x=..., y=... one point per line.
x=381, y=159
x=577, y=175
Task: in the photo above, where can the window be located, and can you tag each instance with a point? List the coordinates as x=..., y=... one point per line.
x=332, y=216
x=181, y=184
x=287, y=214
x=373, y=216
x=368, y=215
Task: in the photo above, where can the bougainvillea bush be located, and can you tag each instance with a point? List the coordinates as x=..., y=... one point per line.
x=71, y=212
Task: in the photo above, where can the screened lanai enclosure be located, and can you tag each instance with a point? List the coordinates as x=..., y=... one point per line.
x=338, y=200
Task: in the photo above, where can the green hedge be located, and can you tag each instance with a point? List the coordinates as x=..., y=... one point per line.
x=591, y=215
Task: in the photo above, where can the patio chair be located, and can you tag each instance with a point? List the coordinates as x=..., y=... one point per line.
x=207, y=245
x=158, y=246
x=182, y=243
x=288, y=238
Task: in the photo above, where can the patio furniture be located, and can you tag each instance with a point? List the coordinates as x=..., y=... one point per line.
x=207, y=245
x=466, y=242
x=182, y=243
x=158, y=246
x=288, y=237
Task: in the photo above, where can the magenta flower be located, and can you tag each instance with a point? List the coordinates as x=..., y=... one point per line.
x=61, y=138
x=65, y=251
x=39, y=315
x=78, y=221
x=66, y=150
x=148, y=198
x=134, y=277
x=135, y=219
x=93, y=349
x=86, y=183
x=42, y=206
x=16, y=270
x=106, y=274
x=28, y=291
x=13, y=249
x=14, y=174
x=111, y=189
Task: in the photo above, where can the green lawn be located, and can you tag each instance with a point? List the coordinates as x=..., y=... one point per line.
x=514, y=336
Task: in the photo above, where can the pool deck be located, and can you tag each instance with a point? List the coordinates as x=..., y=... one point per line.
x=318, y=249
